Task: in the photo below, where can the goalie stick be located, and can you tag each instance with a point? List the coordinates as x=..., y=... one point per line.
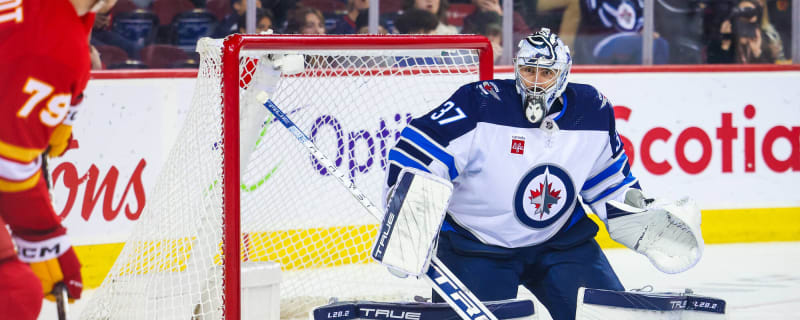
x=438, y=275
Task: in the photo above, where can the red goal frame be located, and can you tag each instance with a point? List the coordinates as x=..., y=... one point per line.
x=230, y=94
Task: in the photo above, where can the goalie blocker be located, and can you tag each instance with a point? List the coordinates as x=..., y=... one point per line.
x=414, y=215
x=364, y=310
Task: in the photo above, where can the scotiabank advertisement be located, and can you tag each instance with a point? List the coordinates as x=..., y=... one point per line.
x=727, y=139
x=730, y=140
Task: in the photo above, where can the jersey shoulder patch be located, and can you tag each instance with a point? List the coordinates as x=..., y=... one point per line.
x=488, y=88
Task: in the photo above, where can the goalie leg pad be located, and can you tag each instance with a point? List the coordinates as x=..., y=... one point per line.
x=506, y=309
x=414, y=215
x=608, y=304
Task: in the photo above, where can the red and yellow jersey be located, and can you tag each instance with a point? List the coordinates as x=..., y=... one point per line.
x=44, y=68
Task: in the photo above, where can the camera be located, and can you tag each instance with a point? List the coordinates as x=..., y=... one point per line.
x=740, y=19
x=746, y=13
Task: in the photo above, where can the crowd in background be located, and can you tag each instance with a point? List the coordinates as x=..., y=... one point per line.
x=163, y=33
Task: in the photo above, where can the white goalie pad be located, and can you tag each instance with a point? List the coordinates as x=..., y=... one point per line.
x=668, y=233
x=414, y=214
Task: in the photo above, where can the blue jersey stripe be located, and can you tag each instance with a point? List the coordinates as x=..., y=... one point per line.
x=413, y=152
x=615, y=167
x=406, y=161
x=430, y=147
x=628, y=180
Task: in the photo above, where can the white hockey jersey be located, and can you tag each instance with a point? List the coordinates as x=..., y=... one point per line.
x=516, y=183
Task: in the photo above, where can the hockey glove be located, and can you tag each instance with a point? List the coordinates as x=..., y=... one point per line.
x=62, y=136
x=667, y=233
x=52, y=259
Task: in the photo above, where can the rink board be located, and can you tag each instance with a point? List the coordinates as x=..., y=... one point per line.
x=128, y=124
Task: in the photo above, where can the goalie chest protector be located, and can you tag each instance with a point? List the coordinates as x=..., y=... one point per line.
x=516, y=183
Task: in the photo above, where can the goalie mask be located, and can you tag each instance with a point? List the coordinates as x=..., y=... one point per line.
x=541, y=68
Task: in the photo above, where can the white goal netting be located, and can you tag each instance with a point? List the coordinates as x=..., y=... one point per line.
x=353, y=104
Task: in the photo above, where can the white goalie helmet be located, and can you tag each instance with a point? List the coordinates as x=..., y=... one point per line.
x=541, y=68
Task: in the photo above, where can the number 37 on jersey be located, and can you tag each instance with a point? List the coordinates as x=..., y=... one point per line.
x=448, y=113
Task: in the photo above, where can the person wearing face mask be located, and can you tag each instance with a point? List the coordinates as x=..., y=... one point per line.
x=525, y=156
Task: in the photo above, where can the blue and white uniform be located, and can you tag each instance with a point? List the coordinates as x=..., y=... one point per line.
x=516, y=184
x=516, y=209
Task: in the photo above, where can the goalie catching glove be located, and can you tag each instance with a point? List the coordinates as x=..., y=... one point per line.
x=667, y=233
x=52, y=259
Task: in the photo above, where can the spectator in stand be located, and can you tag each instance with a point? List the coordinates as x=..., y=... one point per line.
x=362, y=26
x=263, y=21
x=347, y=23
x=746, y=37
x=520, y=29
x=102, y=34
x=280, y=10
x=230, y=24
x=489, y=24
x=438, y=8
x=305, y=20
x=561, y=16
x=779, y=15
x=610, y=33
x=416, y=21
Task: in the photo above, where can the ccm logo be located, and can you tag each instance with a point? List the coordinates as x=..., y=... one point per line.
x=39, y=252
x=391, y=314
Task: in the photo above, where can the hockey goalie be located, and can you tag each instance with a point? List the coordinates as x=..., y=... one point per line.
x=524, y=157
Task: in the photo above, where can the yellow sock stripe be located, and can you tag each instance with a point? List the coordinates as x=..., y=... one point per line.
x=21, y=154
x=16, y=186
x=334, y=246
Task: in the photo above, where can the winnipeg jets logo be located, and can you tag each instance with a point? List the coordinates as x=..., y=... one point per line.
x=625, y=15
x=489, y=88
x=543, y=195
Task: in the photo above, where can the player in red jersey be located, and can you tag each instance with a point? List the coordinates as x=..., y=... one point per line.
x=44, y=58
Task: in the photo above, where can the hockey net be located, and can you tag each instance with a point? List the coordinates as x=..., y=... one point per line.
x=352, y=98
